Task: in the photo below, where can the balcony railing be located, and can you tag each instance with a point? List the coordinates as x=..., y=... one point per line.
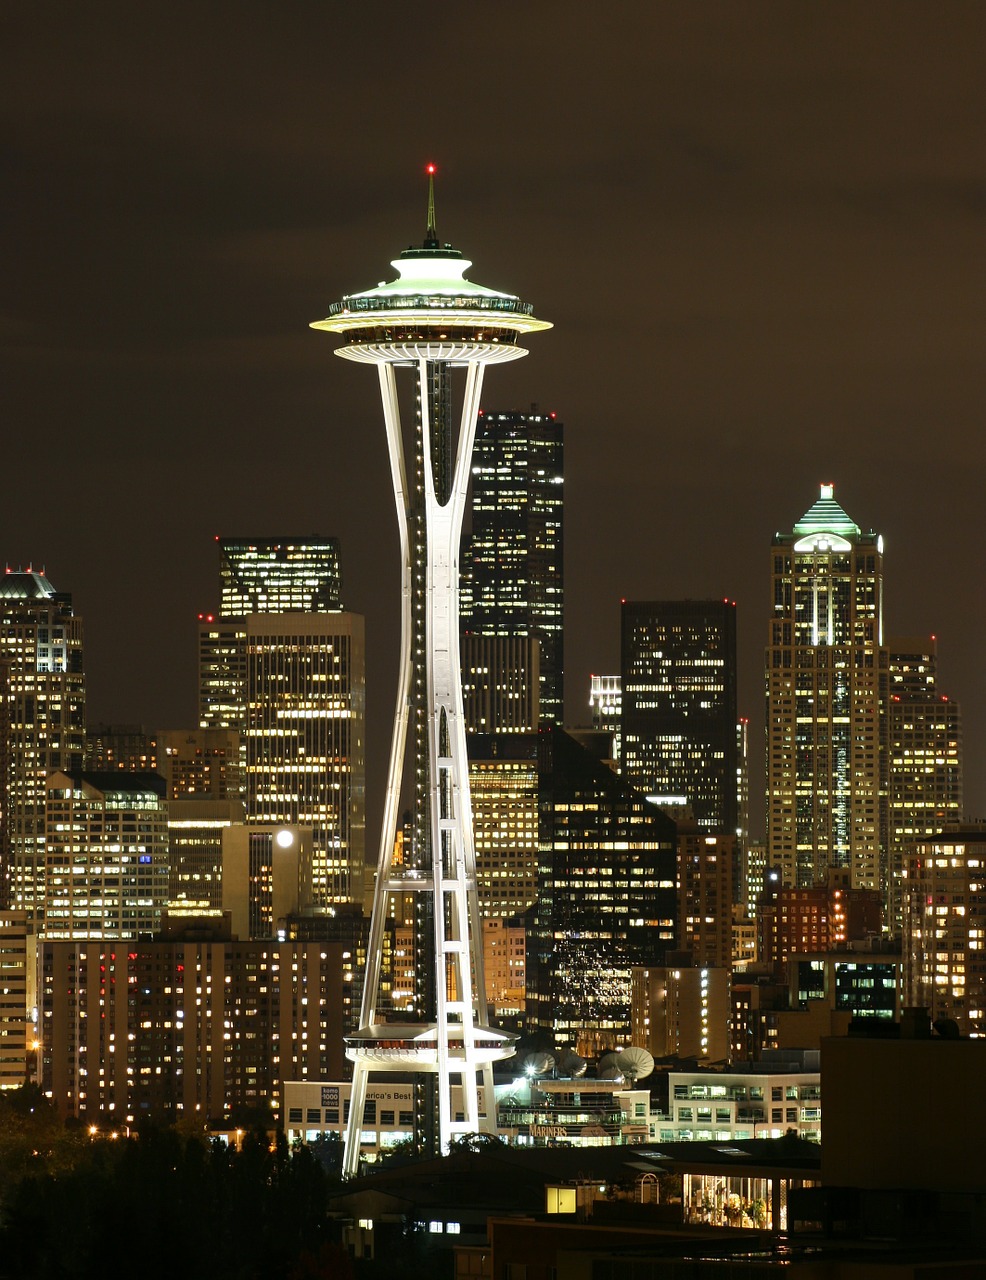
x=430, y=301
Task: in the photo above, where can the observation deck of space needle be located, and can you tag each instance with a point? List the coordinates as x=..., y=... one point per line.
x=430, y=320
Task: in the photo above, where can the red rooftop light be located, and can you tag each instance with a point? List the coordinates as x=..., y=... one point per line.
x=430, y=168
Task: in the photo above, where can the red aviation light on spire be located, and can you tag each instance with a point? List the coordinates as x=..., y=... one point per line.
x=431, y=170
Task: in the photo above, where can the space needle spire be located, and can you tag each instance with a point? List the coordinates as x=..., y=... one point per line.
x=432, y=321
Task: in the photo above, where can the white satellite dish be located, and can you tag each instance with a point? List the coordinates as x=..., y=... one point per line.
x=570, y=1065
x=635, y=1063
x=537, y=1064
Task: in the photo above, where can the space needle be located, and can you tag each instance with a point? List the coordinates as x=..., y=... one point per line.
x=432, y=321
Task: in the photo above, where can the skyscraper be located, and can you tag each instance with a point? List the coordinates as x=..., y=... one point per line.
x=288, y=673
x=44, y=697
x=826, y=701
x=513, y=581
x=606, y=896
x=503, y=785
x=501, y=683
x=678, y=713
x=285, y=574
x=304, y=731
x=944, y=938
x=925, y=737
x=106, y=855
x=431, y=319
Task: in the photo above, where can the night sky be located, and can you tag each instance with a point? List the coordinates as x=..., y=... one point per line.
x=758, y=229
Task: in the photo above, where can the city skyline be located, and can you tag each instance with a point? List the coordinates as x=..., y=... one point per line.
x=784, y=203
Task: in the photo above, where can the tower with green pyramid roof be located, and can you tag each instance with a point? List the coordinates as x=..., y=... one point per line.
x=827, y=699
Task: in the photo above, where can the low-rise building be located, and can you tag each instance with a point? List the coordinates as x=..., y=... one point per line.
x=753, y=1100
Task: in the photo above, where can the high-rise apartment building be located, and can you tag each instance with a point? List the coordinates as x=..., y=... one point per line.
x=18, y=1047
x=279, y=575
x=705, y=895
x=193, y=1028
x=606, y=897
x=944, y=938
x=512, y=572
x=681, y=1011
x=925, y=738
x=827, y=696
x=822, y=917
x=678, y=714
x=107, y=860
x=44, y=724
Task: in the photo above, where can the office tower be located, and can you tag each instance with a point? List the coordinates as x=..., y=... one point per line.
x=606, y=897
x=513, y=581
x=826, y=701
x=106, y=855
x=503, y=782
x=606, y=705
x=925, y=734
x=201, y=772
x=266, y=877
x=433, y=320
x=45, y=717
x=186, y=1028
x=705, y=895
x=678, y=677
x=120, y=746
x=304, y=730
x=222, y=675
x=501, y=683
x=284, y=666
x=279, y=575
x=944, y=938
x=195, y=850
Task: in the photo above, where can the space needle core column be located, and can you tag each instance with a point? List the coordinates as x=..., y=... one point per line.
x=431, y=320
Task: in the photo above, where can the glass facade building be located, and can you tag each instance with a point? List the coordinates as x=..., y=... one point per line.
x=678, y=716
x=284, y=574
x=512, y=571
x=42, y=724
x=606, y=897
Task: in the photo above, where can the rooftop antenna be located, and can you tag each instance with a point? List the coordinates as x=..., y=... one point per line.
x=431, y=235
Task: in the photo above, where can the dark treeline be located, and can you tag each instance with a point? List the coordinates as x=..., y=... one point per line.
x=161, y=1203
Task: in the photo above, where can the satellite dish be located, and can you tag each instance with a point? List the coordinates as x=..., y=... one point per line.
x=607, y=1060
x=537, y=1064
x=635, y=1063
x=570, y=1065
x=609, y=1073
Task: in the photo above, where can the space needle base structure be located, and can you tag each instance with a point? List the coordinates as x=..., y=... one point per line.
x=431, y=320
